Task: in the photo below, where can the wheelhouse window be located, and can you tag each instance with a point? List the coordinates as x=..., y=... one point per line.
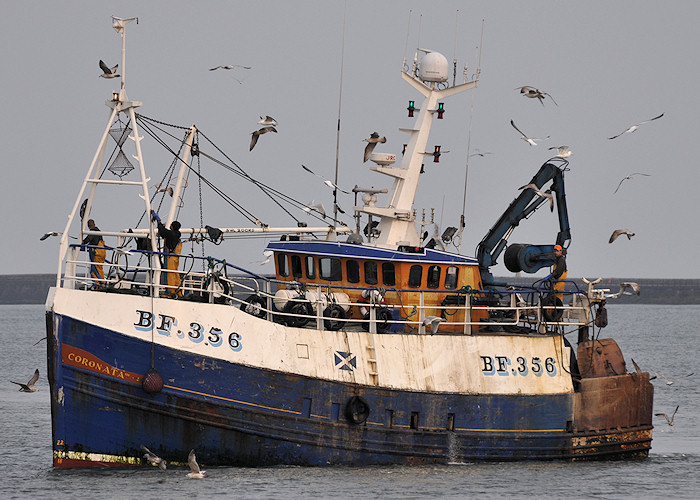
x=451, y=277
x=310, y=267
x=433, y=277
x=388, y=274
x=330, y=269
x=371, y=272
x=296, y=266
x=282, y=266
x=415, y=276
x=352, y=271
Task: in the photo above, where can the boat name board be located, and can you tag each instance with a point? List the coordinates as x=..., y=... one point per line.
x=165, y=325
x=79, y=358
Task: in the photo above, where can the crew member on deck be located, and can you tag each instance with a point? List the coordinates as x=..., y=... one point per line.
x=172, y=246
x=559, y=271
x=96, y=251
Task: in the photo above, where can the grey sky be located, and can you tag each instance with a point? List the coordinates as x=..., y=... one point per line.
x=607, y=64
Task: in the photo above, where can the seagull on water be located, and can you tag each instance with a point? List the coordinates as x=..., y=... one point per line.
x=669, y=420
x=562, y=151
x=533, y=93
x=529, y=140
x=267, y=120
x=229, y=66
x=258, y=133
x=195, y=472
x=629, y=177
x=434, y=322
x=153, y=459
x=325, y=181
x=636, y=126
x=547, y=194
x=625, y=288
x=372, y=141
x=29, y=386
x=618, y=232
x=107, y=72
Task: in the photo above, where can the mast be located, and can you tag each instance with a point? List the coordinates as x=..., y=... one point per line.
x=397, y=221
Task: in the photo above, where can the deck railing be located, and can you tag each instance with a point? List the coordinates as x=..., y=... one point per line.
x=327, y=307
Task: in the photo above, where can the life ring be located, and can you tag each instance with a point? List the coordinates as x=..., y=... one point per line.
x=334, y=317
x=383, y=317
x=299, y=312
x=255, y=305
x=552, y=308
x=357, y=410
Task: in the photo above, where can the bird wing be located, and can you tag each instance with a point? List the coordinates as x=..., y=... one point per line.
x=46, y=235
x=192, y=462
x=651, y=119
x=618, y=135
x=636, y=366
x=254, y=140
x=516, y=128
x=631, y=284
x=215, y=68
x=34, y=378
x=620, y=184
x=23, y=386
x=550, y=96
x=368, y=150
x=104, y=67
x=615, y=234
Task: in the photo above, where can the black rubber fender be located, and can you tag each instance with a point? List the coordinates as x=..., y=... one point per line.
x=357, y=410
x=255, y=305
x=552, y=315
x=383, y=317
x=334, y=317
x=300, y=313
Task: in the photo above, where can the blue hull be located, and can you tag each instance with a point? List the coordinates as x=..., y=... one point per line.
x=237, y=415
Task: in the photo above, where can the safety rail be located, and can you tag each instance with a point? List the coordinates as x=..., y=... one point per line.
x=327, y=306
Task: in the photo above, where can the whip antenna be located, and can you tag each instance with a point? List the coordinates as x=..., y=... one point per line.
x=337, y=140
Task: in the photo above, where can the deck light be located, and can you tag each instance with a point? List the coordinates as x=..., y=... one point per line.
x=440, y=110
x=436, y=155
x=411, y=108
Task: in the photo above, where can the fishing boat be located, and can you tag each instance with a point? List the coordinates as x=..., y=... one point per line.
x=370, y=344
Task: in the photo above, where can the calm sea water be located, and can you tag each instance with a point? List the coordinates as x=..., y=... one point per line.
x=659, y=338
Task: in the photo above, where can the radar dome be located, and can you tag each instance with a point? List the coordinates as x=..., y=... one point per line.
x=433, y=67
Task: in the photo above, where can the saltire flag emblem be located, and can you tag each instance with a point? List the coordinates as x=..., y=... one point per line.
x=345, y=360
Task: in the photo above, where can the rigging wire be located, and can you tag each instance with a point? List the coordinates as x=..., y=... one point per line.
x=337, y=139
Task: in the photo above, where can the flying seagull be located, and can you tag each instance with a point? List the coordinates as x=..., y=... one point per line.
x=315, y=207
x=434, y=322
x=258, y=133
x=153, y=459
x=267, y=120
x=29, y=386
x=372, y=141
x=629, y=177
x=547, y=194
x=533, y=93
x=618, y=232
x=625, y=288
x=666, y=379
x=325, y=181
x=161, y=189
x=669, y=420
x=529, y=140
x=268, y=255
x=195, y=472
x=48, y=235
x=562, y=151
x=636, y=126
x=479, y=153
x=229, y=66
x=107, y=72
